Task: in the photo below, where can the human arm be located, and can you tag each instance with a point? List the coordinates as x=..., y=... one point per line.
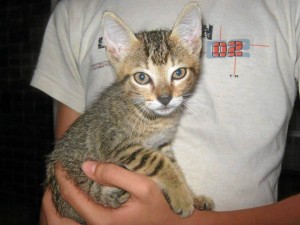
x=65, y=116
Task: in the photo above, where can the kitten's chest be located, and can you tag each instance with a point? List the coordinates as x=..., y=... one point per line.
x=159, y=137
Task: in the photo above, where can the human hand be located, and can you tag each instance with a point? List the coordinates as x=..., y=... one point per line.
x=146, y=205
x=49, y=215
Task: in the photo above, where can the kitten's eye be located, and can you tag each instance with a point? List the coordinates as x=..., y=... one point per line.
x=142, y=78
x=179, y=74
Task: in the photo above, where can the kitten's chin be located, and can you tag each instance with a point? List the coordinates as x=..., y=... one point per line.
x=164, y=111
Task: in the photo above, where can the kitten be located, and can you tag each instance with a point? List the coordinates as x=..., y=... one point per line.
x=133, y=122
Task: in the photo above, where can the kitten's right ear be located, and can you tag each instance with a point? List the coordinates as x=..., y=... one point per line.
x=117, y=36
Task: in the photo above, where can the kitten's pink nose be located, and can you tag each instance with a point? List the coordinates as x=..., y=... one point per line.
x=164, y=99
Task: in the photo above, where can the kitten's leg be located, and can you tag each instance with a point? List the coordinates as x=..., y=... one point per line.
x=201, y=202
x=166, y=174
x=173, y=186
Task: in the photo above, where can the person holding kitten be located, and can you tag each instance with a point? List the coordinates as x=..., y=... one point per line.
x=231, y=139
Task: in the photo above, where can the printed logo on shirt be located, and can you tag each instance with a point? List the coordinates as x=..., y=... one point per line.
x=207, y=31
x=100, y=65
x=100, y=43
x=234, y=48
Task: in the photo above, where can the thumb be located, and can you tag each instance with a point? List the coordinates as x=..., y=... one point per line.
x=89, y=168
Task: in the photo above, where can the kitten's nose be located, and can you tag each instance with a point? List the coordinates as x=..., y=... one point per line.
x=164, y=99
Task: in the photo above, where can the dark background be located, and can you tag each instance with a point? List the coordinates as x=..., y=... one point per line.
x=25, y=116
x=26, y=127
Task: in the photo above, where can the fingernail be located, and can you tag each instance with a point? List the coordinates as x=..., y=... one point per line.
x=89, y=167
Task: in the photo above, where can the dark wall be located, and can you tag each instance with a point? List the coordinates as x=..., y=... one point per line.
x=25, y=116
x=292, y=154
x=289, y=183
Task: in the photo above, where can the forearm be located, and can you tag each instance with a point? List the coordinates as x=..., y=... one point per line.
x=65, y=116
x=286, y=212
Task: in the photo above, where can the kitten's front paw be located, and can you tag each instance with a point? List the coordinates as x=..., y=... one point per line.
x=203, y=203
x=181, y=204
x=114, y=197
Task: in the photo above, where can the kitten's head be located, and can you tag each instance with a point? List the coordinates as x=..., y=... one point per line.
x=160, y=69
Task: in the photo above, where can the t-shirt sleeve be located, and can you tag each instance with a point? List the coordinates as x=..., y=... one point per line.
x=56, y=72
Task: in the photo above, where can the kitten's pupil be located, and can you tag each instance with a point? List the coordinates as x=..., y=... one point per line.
x=142, y=76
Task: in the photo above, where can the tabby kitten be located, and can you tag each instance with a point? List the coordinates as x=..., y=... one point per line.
x=133, y=121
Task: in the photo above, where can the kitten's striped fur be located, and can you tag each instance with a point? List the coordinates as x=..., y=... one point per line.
x=134, y=121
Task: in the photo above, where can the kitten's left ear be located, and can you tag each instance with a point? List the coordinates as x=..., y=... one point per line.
x=117, y=36
x=188, y=28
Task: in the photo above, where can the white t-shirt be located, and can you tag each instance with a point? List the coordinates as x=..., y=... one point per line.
x=232, y=137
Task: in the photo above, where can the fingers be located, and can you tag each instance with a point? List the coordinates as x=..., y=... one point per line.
x=113, y=175
x=49, y=215
x=81, y=202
